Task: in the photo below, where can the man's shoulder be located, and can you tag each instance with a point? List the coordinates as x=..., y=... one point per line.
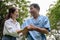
x=28, y=19
x=44, y=17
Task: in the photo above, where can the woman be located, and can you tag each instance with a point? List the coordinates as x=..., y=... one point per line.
x=11, y=26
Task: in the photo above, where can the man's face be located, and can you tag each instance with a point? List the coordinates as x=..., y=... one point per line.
x=33, y=10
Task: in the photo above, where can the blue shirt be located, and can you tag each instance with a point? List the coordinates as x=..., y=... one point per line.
x=41, y=22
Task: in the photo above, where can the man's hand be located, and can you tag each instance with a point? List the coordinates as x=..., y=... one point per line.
x=31, y=27
x=27, y=29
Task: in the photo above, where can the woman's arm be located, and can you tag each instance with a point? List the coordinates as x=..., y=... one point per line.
x=24, y=31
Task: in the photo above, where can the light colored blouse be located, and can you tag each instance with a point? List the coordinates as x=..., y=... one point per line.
x=10, y=28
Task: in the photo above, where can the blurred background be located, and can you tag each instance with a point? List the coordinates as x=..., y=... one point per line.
x=50, y=8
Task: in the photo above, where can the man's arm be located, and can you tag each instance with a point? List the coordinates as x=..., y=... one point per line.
x=46, y=27
x=41, y=30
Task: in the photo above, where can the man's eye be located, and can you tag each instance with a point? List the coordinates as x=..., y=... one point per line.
x=30, y=8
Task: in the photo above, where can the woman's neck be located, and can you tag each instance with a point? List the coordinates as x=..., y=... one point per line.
x=14, y=20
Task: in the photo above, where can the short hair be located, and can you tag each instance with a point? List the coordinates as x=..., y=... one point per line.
x=35, y=6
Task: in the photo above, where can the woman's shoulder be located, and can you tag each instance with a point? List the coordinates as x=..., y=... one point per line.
x=8, y=20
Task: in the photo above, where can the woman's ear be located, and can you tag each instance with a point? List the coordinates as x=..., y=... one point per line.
x=11, y=15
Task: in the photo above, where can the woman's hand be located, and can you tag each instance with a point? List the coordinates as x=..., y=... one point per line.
x=25, y=31
x=19, y=31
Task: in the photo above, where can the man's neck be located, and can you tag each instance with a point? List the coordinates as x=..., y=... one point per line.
x=35, y=17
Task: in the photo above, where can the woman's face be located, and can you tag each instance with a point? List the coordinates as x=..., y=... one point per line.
x=15, y=14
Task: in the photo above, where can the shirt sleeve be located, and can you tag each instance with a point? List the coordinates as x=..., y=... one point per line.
x=47, y=24
x=19, y=28
x=24, y=24
x=10, y=29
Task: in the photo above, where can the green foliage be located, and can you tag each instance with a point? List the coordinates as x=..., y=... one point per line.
x=54, y=14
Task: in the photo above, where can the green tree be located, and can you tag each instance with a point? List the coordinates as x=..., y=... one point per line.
x=6, y=4
x=54, y=14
